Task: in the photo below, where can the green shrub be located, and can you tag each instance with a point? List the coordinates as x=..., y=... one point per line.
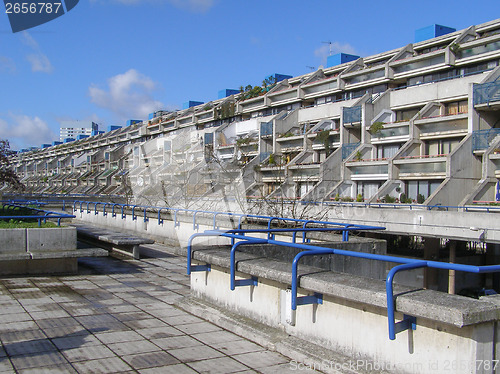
x=420, y=198
x=389, y=199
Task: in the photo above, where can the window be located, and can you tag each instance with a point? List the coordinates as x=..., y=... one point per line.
x=406, y=114
x=422, y=187
x=368, y=189
x=456, y=107
x=387, y=151
x=441, y=146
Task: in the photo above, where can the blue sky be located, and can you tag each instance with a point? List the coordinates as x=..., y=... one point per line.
x=113, y=60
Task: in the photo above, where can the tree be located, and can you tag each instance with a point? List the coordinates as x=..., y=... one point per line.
x=7, y=174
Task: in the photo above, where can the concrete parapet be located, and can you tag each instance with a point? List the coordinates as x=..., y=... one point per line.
x=53, y=239
x=41, y=251
x=452, y=331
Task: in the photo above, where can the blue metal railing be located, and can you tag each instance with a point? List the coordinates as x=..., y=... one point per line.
x=486, y=92
x=266, y=128
x=348, y=148
x=140, y=210
x=352, y=114
x=310, y=250
x=40, y=214
x=352, y=204
x=481, y=139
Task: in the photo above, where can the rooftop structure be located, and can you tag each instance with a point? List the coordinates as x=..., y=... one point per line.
x=72, y=129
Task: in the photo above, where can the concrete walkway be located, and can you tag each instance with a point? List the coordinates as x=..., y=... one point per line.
x=118, y=316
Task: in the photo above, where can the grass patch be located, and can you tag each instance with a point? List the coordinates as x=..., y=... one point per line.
x=24, y=223
x=16, y=224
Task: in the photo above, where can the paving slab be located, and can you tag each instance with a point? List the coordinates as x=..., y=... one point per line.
x=119, y=316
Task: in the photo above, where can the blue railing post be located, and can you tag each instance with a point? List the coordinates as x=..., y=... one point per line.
x=242, y=282
x=405, y=324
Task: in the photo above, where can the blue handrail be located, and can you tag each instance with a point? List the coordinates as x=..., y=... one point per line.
x=310, y=250
x=46, y=214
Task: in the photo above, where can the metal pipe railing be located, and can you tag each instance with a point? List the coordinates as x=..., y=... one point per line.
x=310, y=250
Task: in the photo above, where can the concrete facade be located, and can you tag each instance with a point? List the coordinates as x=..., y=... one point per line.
x=418, y=123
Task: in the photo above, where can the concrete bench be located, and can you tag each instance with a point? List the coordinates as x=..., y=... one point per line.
x=352, y=317
x=41, y=251
x=115, y=241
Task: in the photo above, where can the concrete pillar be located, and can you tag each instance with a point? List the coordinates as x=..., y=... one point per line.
x=431, y=252
x=451, y=273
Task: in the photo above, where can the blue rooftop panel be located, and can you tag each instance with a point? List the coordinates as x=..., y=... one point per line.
x=432, y=31
x=55, y=142
x=113, y=127
x=68, y=140
x=227, y=92
x=46, y=145
x=279, y=77
x=191, y=103
x=131, y=122
x=339, y=59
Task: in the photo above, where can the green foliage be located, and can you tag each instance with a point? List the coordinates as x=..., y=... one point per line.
x=225, y=110
x=337, y=197
x=389, y=199
x=18, y=224
x=346, y=198
x=324, y=137
x=250, y=91
x=272, y=161
x=242, y=141
x=360, y=198
x=420, y=198
x=376, y=127
x=358, y=156
x=405, y=199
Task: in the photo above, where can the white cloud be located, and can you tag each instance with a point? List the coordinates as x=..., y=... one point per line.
x=7, y=65
x=23, y=131
x=38, y=60
x=336, y=47
x=128, y=95
x=197, y=6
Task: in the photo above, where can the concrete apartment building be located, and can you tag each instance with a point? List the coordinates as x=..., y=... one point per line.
x=418, y=124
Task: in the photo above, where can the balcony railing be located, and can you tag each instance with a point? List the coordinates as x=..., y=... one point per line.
x=352, y=114
x=348, y=148
x=266, y=128
x=486, y=92
x=481, y=139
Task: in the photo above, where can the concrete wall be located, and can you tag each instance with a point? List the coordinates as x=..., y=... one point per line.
x=38, y=251
x=424, y=93
x=357, y=329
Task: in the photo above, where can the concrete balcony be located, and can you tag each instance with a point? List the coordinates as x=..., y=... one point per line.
x=443, y=126
x=422, y=167
x=374, y=169
x=391, y=133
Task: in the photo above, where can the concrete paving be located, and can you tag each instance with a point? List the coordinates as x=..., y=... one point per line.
x=119, y=316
